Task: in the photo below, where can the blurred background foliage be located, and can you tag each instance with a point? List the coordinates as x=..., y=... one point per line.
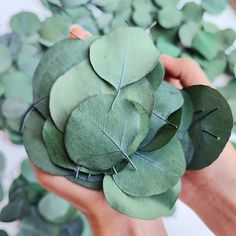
x=177, y=30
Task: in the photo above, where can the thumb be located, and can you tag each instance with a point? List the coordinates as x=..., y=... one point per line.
x=187, y=71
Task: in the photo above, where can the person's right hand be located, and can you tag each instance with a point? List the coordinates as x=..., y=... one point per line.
x=210, y=192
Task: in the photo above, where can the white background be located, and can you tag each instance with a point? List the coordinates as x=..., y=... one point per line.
x=184, y=222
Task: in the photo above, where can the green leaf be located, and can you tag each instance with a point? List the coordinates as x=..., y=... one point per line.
x=35, y=147
x=5, y=58
x=210, y=27
x=168, y=48
x=77, y=84
x=1, y=192
x=53, y=65
x=25, y=24
x=53, y=29
x=164, y=3
x=157, y=171
x=226, y=38
x=156, y=76
x=206, y=44
x=113, y=131
x=232, y=104
x=127, y=62
x=140, y=92
x=73, y=228
x=15, y=210
x=192, y=12
x=73, y=3
x=54, y=142
x=55, y=210
x=3, y=233
x=211, y=127
x=27, y=172
x=214, y=7
x=168, y=100
x=35, y=225
x=187, y=33
x=147, y=208
x=169, y=17
x=2, y=162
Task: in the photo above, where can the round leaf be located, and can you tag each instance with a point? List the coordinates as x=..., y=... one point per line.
x=25, y=24
x=156, y=172
x=126, y=62
x=97, y=136
x=211, y=127
x=147, y=208
x=214, y=7
x=5, y=58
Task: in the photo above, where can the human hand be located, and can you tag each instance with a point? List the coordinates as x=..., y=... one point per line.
x=210, y=192
x=103, y=219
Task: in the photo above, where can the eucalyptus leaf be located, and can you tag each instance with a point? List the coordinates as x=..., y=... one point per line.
x=5, y=58
x=78, y=83
x=113, y=131
x=211, y=127
x=168, y=48
x=53, y=65
x=54, y=143
x=27, y=172
x=35, y=147
x=54, y=209
x=169, y=17
x=214, y=7
x=147, y=208
x=157, y=171
x=127, y=62
x=192, y=12
x=25, y=24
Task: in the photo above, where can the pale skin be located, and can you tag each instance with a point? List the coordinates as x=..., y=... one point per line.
x=210, y=192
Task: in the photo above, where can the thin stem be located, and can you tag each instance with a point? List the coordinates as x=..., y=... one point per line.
x=130, y=161
x=115, y=170
x=168, y=122
x=77, y=172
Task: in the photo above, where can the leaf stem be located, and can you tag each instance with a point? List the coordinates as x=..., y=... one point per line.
x=168, y=122
x=130, y=161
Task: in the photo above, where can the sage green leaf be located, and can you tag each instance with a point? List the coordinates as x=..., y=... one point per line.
x=144, y=124
x=211, y=127
x=54, y=143
x=168, y=100
x=147, y=208
x=73, y=3
x=164, y=3
x=226, y=38
x=3, y=233
x=234, y=70
x=2, y=162
x=53, y=65
x=206, y=44
x=27, y=171
x=187, y=33
x=25, y=24
x=231, y=60
x=168, y=48
x=1, y=192
x=140, y=92
x=87, y=180
x=35, y=225
x=53, y=29
x=113, y=131
x=75, y=227
x=210, y=27
x=127, y=62
x=13, y=108
x=5, y=58
x=55, y=209
x=18, y=85
x=214, y=7
x=77, y=84
x=228, y=91
x=156, y=76
x=169, y=17
x=232, y=104
x=157, y=171
x=192, y=12
x=34, y=145
x=28, y=59
x=15, y=210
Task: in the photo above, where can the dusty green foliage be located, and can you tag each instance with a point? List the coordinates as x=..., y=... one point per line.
x=40, y=212
x=110, y=122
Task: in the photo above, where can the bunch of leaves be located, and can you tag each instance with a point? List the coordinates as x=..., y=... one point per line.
x=40, y=213
x=20, y=53
x=104, y=118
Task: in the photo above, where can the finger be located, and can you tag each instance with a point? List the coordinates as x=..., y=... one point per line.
x=78, y=32
x=76, y=194
x=187, y=71
x=174, y=82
